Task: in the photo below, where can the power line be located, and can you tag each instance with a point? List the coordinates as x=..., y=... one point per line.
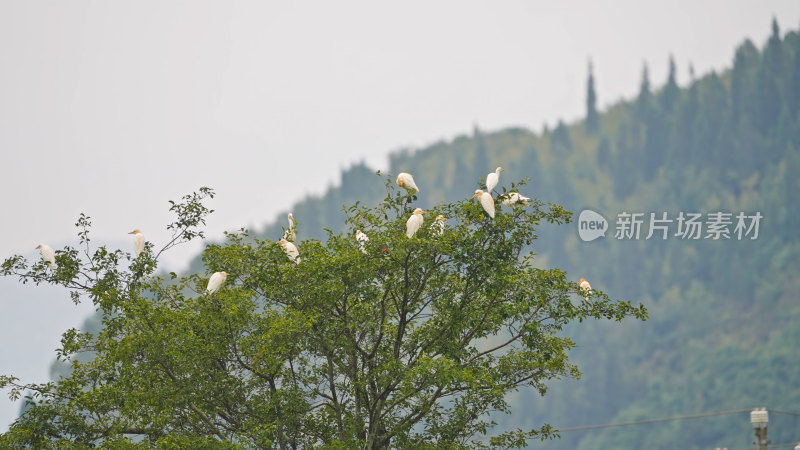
x=662, y=419
x=790, y=445
x=685, y=417
x=669, y=419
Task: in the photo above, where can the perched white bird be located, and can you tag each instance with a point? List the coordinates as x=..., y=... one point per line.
x=587, y=288
x=47, y=255
x=493, y=178
x=289, y=234
x=291, y=250
x=406, y=181
x=438, y=225
x=515, y=199
x=362, y=239
x=138, y=241
x=414, y=222
x=486, y=201
x=216, y=281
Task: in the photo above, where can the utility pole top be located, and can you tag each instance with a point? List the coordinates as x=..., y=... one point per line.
x=759, y=419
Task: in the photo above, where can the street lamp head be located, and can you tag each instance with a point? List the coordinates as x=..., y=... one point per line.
x=759, y=418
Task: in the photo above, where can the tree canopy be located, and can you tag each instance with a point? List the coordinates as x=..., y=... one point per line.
x=406, y=342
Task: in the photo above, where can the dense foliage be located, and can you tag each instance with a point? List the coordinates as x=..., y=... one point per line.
x=406, y=342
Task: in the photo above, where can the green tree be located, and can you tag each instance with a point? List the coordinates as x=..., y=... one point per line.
x=410, y=343
x=794, y=84
x=591, y=103
x=651, y=120
x=560, y=140
x=684, y=135
x=769, y=83
x=604, y=153
x=744, y=95
x=627, y=161
x=644, y=101
x=712, y=125
x=671, y=93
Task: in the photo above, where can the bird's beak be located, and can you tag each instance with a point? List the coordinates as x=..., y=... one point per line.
x=502, y=170
x=446, y=219
x=132, y=232
x=38, y=247
x=473, y=196
x=424, y=212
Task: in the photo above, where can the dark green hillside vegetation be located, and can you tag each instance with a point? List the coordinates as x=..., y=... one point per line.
x=724, y=322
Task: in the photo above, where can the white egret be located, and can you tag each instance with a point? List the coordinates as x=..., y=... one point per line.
x=438, y=225
x=216, y=281
x=291, y=250
x=493, y=178
x=290, y=234
x=406, y=181
x=587, y=288
x=362, y=239
x=47, y=255
x=414, y=222
x=486, y=201
x=515, y=199
x=138, y=241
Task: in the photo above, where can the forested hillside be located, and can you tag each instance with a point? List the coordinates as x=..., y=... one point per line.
x=725, y=315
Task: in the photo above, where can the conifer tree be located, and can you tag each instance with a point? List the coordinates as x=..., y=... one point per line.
x=591, y=103
x=671, y=93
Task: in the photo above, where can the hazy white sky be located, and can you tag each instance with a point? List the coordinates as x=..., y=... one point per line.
x=113, y=108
